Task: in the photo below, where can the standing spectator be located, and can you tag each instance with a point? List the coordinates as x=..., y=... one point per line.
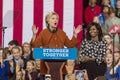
x=19, y=75
x=27, y=53
x=16, y=64
x=109, y=73
x=4, y=66
x=111, y=21
x=30, y=73
x=106, y=12
x=93, y=51
x=70, y=64
x=108, y=39
x=118, y=9
x=106, y=3
x=91, y=11
x=117, y=57
x=12, y=44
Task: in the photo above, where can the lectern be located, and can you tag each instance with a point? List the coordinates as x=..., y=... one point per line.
x=54, y=58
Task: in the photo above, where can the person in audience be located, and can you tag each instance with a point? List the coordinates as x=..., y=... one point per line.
x=16, y=64
x=117, y=56
x=96, y=19
x=37, y=65
x=27, y=53
x=110, y=65
x=118, y=9
x=92, y=52
x=106, y=12
x=105, y=3
x=109, y=58
x=70, y=64
x=12, y=44
x=38, y=69
x=30, y=73
x=72, y=73
x=91, y=11
x=19, y=75
x=53, y=37
x=7, y=53
x=108, y=39
x=110, y=22
x=4, y=66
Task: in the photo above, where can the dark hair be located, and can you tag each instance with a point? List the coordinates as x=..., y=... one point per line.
x=13, y=42
x=111, y=10
x=107, y=35
x=98, y=27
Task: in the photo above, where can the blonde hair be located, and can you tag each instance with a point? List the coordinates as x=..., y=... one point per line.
x=108, y=52
x=34, y=64
x=48, y=16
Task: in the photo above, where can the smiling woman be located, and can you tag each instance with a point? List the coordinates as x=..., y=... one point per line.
x=92, y=52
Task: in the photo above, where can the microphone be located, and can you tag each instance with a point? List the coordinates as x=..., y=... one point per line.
x=3, y=27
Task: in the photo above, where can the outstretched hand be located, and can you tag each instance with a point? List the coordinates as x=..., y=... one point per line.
x=78, y=29
x=35, y=29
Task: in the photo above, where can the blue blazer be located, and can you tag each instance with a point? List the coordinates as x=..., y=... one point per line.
x=4, y=71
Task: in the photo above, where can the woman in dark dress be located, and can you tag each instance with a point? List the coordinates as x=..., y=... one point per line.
x=92, y=53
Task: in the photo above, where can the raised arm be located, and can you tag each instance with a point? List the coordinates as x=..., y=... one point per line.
x=35, y=31
x=77, y=30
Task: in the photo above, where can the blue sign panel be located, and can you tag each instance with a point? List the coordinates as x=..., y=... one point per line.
x=55, y=53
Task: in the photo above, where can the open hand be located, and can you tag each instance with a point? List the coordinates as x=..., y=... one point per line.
x=35, y=29
x=78, y=29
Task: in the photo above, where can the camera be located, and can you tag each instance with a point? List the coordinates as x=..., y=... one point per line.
x=47, y=77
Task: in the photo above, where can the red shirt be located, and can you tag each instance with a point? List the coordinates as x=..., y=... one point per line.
x=91, y=13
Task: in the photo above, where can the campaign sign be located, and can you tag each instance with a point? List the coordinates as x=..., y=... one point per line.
x=113, y=29
x=55, y=53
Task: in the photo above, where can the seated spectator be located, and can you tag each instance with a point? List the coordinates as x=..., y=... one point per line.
x=91, y=11
x=92, y=52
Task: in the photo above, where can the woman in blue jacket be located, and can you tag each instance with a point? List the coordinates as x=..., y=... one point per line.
x=4, y=66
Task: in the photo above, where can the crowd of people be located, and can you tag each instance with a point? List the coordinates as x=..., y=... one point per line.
x=98, y=59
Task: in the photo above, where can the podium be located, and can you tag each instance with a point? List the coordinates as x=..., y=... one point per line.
x=54, y=59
